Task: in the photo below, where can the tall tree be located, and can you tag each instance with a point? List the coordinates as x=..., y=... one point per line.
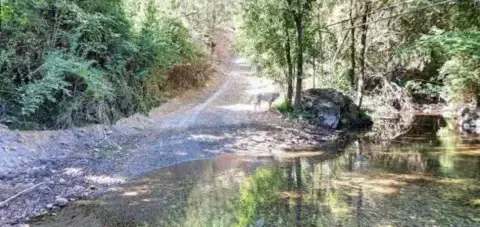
x=206, y=19
x=352, y=43
x=300, y=10
x=288, y=57
x=267, y=35
x=363, y=41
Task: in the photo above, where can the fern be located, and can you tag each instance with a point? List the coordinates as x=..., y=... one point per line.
x=54, y=71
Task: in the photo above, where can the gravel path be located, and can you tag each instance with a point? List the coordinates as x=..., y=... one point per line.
x=80, y=163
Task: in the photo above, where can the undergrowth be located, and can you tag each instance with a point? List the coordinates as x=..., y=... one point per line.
x=286, y=108
x=70, y=63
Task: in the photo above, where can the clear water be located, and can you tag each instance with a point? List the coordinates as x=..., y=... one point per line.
x=430, y=177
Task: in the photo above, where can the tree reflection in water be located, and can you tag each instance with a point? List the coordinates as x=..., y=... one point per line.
x=422, y=179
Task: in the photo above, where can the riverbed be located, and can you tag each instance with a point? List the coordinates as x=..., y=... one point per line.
x=428, y=177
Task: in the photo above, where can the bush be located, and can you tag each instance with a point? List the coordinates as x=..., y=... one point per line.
x=66, y=63
x=285, y=107
x=287, y=110
x=461, y=72
x=458, y=75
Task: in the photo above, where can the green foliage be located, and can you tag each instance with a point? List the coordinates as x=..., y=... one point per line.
x=364, y=116
x=285, y=107
x=460, y=73
x=264, y=35
x=287, y=110
x=270, y=36
x=56, y=67
x=339, y=78
x=66, y=63
x=258, y=195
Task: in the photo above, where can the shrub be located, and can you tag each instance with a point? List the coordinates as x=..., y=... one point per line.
x=459, y=74
x=285, y=107
x=66, y=63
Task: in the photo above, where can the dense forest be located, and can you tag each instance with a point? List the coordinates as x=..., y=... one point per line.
x=154, y=112
x=428, y=48
x=66, y=63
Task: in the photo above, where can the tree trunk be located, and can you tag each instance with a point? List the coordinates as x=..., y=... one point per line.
x=361, y=78
x=212, y=32
x=314, y=71
x=351, y=73
x=298, y=209
x=288, y=53
x=321, y=56
x=298, y=88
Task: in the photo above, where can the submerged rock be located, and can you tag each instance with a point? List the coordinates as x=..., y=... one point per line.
x=469, y=121
x=333, y=109
x=61, y=202
x=4, y=128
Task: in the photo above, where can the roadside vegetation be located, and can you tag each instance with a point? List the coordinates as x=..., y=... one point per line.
x=391, y=49
x=70, y=63
x=74, y=63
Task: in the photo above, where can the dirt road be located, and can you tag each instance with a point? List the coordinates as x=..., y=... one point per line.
x=78, y=163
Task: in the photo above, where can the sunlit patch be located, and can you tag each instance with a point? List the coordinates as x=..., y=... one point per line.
x=353, y=177
x=387, y=182
x=475, y=152
x=181, y=153
x=73, y=171
x=135, y=192
x=381, y=183
x=452, y=181
x=240, y=60
x=408, y=177
x=115, y=189
x=206, y=137
x=288, y=155
x=238, y=107
x=354, y=193
x=105, y=180
x=382, y=189
x=134, y=203
x=289, y=195
x=340, y=210
x=146, y=200
x=131, y=193
x=475, y=202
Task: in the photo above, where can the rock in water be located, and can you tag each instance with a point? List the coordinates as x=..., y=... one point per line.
x=477, y=126
x=3, y=128
x=61, y=202
x=469, y=121
x=333, y=109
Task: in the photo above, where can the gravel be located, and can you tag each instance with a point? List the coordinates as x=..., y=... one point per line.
x=85, y=162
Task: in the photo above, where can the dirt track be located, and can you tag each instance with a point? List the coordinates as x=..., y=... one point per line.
x=79, y=163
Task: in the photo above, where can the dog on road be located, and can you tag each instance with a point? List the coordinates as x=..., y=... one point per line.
x=269, y=97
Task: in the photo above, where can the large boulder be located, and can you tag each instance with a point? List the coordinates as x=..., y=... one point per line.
x=333, y=109
x=469, y=120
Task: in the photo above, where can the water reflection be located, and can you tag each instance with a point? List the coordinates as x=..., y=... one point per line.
x=430, y=177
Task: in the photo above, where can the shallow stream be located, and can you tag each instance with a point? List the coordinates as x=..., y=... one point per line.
x=429, y=177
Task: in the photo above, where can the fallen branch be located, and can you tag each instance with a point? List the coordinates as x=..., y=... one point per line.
x=19, y=194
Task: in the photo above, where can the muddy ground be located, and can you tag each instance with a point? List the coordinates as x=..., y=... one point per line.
x=48, y=169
